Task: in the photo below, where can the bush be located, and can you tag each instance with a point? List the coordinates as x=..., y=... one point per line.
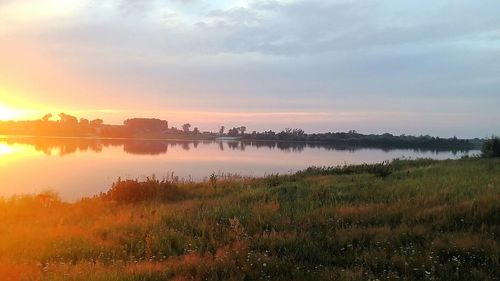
x=133, y=191
x=491, y=148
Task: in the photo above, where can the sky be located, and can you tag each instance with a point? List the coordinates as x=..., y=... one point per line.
x=404, y=67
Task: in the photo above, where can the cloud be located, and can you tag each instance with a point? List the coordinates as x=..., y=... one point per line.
x=317, y=27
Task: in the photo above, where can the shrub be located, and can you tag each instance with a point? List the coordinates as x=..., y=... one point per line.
x=133, y=191
x=491, y=148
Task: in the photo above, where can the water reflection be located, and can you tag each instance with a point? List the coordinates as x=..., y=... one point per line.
x=66, y=146
x=76, y=167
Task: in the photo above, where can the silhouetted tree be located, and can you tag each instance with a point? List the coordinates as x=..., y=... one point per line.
x=96, y=122
x=146, y=124
x=221, y=130
x=196, y=131
x=84, y=121
x=47, y=117
x=298, y=132
x=67, y=119
x=186, y=127
x=234, y=132
x=243, y=129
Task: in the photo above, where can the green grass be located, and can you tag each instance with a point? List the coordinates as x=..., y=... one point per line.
x=407, y=220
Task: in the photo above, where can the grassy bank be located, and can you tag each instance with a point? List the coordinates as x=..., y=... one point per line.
x=409, y=220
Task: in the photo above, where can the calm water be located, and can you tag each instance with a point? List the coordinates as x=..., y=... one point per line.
x=84, y=167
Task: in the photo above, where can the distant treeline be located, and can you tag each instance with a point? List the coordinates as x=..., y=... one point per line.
x=354, y=139
x=71, y=126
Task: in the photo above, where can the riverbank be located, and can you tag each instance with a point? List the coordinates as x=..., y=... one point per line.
x=152, y=128
x=411, y=220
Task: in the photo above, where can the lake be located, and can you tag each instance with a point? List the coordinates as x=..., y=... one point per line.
x=77, y=167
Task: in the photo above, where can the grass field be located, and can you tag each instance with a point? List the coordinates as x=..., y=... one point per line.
x=408, y=220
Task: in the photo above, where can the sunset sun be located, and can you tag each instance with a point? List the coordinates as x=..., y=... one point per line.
x=8, y=113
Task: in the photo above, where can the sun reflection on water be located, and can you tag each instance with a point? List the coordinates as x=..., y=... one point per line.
x=5, y=149
x=10, y=153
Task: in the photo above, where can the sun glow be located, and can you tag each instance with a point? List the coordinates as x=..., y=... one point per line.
x=13, y=108
x=8, y=113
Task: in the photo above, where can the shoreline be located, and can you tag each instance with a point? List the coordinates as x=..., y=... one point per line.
x=385, y=167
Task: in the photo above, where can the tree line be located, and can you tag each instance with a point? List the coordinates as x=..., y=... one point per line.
x=68, y=125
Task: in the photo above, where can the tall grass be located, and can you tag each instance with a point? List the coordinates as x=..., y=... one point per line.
x=404, y=220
